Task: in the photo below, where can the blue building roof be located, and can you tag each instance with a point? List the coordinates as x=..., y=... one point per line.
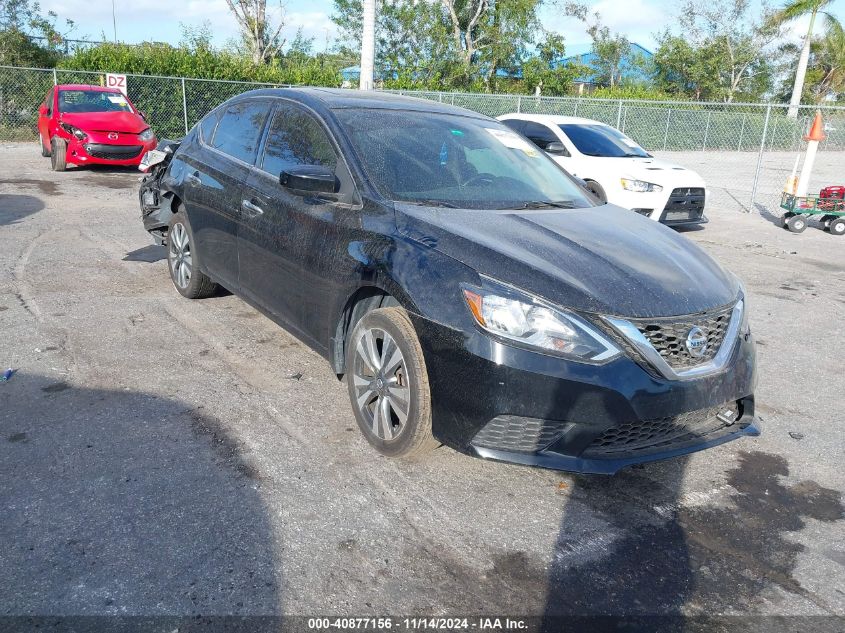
x=629, y=69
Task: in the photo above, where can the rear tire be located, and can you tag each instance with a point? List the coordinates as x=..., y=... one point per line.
x=797, y=223
x=837, y=226
x=58, y=154
x=388, y=384
x=183, y=261
x=45, y=150
x=597, y=190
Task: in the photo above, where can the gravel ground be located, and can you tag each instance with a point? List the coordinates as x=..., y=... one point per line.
x=160, y=456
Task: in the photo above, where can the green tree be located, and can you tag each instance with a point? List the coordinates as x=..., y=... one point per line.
x=260, y=38
x=545, y=72
x=725, y=50
x=792, y=11
x=29, y=37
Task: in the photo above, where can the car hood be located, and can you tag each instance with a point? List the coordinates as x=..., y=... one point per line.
x=648, y=169
x=604, y=260
x=126, y=122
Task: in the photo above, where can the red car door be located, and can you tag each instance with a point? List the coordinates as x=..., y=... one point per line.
x=45, y=114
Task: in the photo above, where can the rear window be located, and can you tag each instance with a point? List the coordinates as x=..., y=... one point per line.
x=239, y=130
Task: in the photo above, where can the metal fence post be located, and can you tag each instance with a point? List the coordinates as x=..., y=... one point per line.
x=706, y=130
x=741, y=132
x=576, y=108
x=55, y=78
x=619, y=115
x=760, y=158
x=666, y=132
x=185, y=105
x=519, y=103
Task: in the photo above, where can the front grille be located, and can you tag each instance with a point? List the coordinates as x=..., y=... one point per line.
x=518, y=434
x=113, y=152
x=669, y=336
x=685, y=203
x=664, y=433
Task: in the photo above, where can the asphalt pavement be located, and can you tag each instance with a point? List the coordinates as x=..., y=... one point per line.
x=160, y=456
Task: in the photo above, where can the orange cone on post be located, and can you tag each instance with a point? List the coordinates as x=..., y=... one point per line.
x=813, y=139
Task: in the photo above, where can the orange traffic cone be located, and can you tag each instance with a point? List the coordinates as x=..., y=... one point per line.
x=817, y=129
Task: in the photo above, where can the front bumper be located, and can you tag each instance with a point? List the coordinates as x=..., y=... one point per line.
x=667, y=206
x=98, y=149
x=477, y=382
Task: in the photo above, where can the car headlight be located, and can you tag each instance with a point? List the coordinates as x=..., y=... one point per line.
x=74, y=131
x=640, y=186
x=530, y=322
x=744, y=325
x=146, y=135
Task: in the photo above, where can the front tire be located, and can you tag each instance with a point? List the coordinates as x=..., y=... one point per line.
x=797, y=223
x=45, y=149
x=183, y=260
x=58, y=154
x=388, y=384
x=837, y=226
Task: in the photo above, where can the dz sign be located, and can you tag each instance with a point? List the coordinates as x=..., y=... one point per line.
x=116, y=81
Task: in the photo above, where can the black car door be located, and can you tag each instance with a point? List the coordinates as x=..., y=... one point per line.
x=216, y=175
x=282, y=233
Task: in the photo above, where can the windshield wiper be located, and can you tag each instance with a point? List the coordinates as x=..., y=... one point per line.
x=430, y=203
x=548, y=204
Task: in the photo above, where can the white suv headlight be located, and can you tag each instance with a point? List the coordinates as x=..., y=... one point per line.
x=640, y=186
x=530, y=322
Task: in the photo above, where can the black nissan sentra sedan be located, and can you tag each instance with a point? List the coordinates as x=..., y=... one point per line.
x=469, y=290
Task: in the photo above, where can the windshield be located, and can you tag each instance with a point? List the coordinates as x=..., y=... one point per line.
x=92, y=101
x=602, y=140
x=455, y=161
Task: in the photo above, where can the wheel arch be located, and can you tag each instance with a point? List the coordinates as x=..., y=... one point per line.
x=364, y=299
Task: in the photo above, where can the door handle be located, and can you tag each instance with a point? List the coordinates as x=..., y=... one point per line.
x=193, y=179
x=251, y=209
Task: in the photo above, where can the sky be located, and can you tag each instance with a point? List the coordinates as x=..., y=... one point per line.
x=159, y=20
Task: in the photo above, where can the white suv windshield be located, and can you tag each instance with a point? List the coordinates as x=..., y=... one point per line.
x=448, y=160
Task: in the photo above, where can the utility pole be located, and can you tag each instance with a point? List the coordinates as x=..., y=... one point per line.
x=114, y=21
x=368, y=45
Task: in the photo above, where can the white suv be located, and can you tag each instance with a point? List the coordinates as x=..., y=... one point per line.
x=615, y=168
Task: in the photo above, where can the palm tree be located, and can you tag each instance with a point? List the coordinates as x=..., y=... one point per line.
x=791, y=11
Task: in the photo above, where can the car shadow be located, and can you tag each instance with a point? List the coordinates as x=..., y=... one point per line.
x=659, y=554
x=15, y=207
x=121, y=503
x=150, y=253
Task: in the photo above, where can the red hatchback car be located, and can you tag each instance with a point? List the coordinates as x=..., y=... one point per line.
x=83, y=125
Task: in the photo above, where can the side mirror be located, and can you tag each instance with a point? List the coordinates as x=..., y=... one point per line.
x=42, y=110
x=309, y=179
x=142, y=114
x=557, y=148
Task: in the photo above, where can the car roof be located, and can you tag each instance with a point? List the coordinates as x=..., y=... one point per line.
x=86, y=87
x=552, y=119
x=341, y=98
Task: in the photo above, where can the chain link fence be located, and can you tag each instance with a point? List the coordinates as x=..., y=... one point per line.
x=745, y=152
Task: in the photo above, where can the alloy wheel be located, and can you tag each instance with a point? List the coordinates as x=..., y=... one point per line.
x=179, y=252
x=380, y=378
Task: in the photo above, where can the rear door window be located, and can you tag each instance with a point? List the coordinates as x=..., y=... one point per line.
x=239, y=131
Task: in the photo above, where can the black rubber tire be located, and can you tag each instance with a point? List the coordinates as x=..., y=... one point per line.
x=597, y=190
x=797, y=223
x=45, y=151
x=199, y=286
x=837, y=226
x=58, y=154
x=415, y=439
